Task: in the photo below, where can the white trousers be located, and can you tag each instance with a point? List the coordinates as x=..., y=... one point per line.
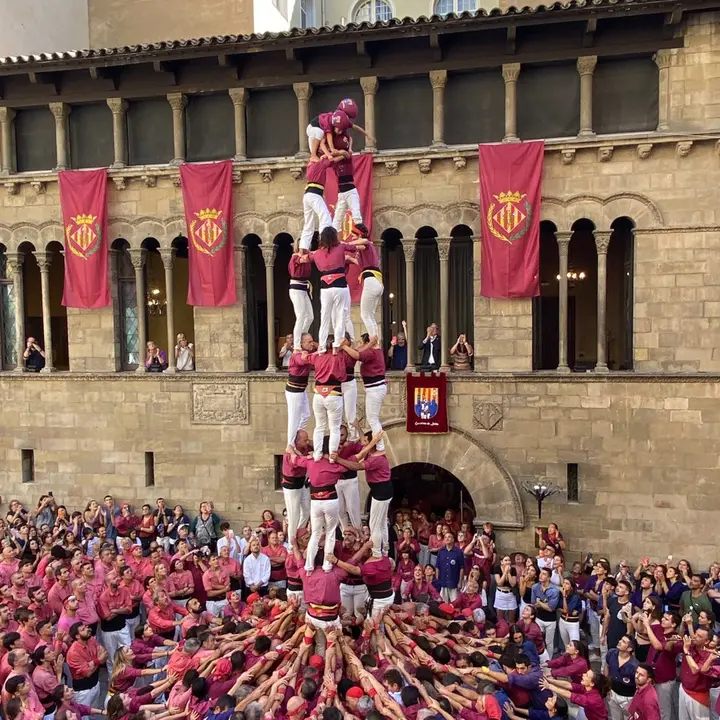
x=328, y=418
x=332, y=315
x=348, y=492
x=548, y=627
x=314, y=134
x=568, y=631
x=349, y=325
x=353, y=599
x=316, y=216
x=691, y=709
x=378, y=607
x=348, y=200
x=297, y=503
x=617, y=706
x=374, y=397
x=714, y=694
x=89, y=697
x=349, y=391
x=297, y=594
x=448, y=595
x=323, y=519
x=304, y=316
x=298, y=413
x=378, y=523
x=111, y=641
x=369, y=301
x=667, y=694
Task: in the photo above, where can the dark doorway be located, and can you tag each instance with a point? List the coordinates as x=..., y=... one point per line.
x=431, y=489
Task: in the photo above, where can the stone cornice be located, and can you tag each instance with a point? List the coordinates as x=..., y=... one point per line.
x=543, y=377
x=456, y=153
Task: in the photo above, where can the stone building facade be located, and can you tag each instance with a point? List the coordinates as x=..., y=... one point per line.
x=640, y=444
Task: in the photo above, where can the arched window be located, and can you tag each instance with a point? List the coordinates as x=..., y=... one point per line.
x=125, y=307
x=619, y=314
x=8, y=351
x=445, y=7
x=372, y=11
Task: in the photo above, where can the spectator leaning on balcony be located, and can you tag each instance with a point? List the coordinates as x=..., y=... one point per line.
x=156, y=360
x=34, y=356
x=430, y=347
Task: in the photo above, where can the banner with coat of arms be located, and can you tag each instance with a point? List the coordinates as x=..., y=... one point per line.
x=207, y=196
x=362, y=166
x=427, y=403
x=83, y=201
x=510, y=195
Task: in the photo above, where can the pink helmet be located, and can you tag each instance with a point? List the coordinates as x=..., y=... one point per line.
x=341, y=121
x=349, y=107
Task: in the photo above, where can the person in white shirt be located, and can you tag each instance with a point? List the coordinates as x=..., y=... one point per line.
x=545, y=558
x=256, y=570
x=286, y=350
x=184, y=354
x=247, y=536
x=229, y=539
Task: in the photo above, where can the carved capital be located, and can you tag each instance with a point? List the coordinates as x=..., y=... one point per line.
x=683, y=148
x=168, y=257
x=644, y=150
x=15, y=262
x=438, y=79
x=296, y=173
x=149, y=180
x=605, y=153
x=119, y=181
x=409, y=248
x=137, y=258
x=511, y=72
x=176, y=181
x=425, y=165
x=443, y=248
x=239, y=96
x=369, y=85
x=59, y=110
x=303, y=91
x=39, y=186
x=602, y=241
x=44, y=260
x=563, y=241
x=663, y=58
x=118, y=106
x=6, y=114
x=12, y=187
x=460, y=162
x=177, y=101
x=268, y=253
x=392, y=167
x=568, y=156
x=586, y=65
x=266, y=175
x=237, y=177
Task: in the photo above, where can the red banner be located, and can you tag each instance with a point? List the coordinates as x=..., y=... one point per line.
x=363, y=174
x=83, y=200
x=427, y=403
x=207, y=195
x=510, y=194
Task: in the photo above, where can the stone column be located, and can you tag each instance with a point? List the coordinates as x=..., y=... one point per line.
x=563, y=241
x=7, y=116
x=663, y=58
x=168, y=259
x=44, y=260
x=137, y=257
x=118, y=106
x=369, y=87
x=444, y=253
x=409, y=251
x=510, y=72
x=268, y=253
x=438, y=80
x=15, y=262
x=602, y=242
x=303, y=92
x=239, y=98
x=60, y=112
x=586, y=68
x=178, y=101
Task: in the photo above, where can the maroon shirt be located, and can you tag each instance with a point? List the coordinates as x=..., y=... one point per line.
x=663, y=661
x=644, y=705
x=374, y=573
x=299, y=270
x=373, y=363
x=368, y=257
x=320, y=587
x=698, y=686
x=591, y=701
x=329, y=368
x=290, y=470
x=565, y=667
x=377, y=469
x=321, y=473
x=317, y=171
x=333, y=258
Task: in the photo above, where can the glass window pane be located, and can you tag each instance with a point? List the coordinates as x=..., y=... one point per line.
x=466, y=5
x=7, y=320
x=443, y=7
x=129, y=321
x=362, y=14
x=383, y=12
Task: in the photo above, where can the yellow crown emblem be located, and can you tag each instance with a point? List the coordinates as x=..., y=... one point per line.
x=509, y=197
x=84, y=219
x=209, y=214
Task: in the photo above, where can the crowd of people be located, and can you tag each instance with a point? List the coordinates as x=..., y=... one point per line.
x=154, y=614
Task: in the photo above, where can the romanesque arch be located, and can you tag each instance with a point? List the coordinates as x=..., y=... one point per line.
x=493, y=490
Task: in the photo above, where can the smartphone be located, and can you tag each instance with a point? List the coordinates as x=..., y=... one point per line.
x=394, y=339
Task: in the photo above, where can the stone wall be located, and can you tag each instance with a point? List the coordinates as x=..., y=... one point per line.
x=646, y=449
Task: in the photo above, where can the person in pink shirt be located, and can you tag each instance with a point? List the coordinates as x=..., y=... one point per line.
x=573, y=664
x=404, y=571
x=235, y=607
x=469, y=600
x=589, y=694
x=114, y=606
x=180, y=582
x=86, y=607
x=27, y=570
x=196, y=615
x=39, y=605
x=300, y=298
x=161, y=617
x=19, y=662
x=420, y=590
x=8, y=565
x=277, y=555
x=27, y=621
x=11, y=641
x=104, y=564
x=19, y=705
x=47, y=675
x=216, y=582
x=68, y=617
x=7, y=622
x=60, y=591
x=231, y=566
x=18, y=590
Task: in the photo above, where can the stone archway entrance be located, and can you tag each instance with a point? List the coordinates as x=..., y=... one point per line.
x=493, y=491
